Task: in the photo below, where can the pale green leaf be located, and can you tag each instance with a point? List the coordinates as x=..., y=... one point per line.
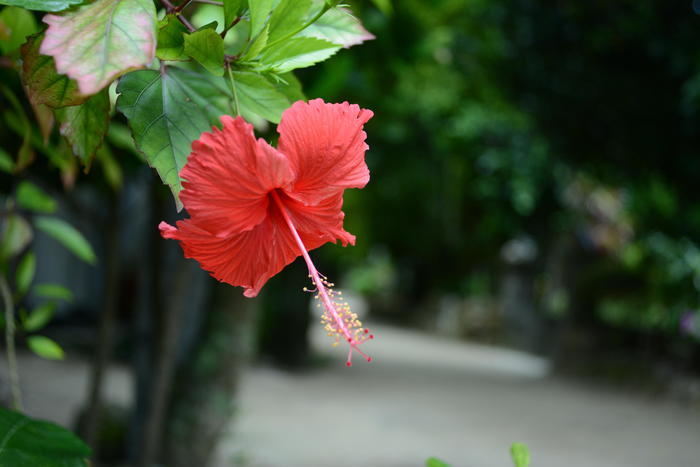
x=111, y=169
x=256, y=46
x=171, y=42
x=68, y=236
x=39, y=317
x=42, y=5
x=25, y=272
x=287, y=17
x=259, y=11
x=101, y=40
x=34, y=443
x=520, y=455
x=207, y=48
x=6, y=162
x=15, y=235
x=298, y=52
x=45, y=347
x=258, y=95
x=338, y=26
x=233, y=9
x=208, y=16
x=84, y=126
x=435, y=462
x=17, y=23
x=290, y=86
x=31, y=197
x=53, y=291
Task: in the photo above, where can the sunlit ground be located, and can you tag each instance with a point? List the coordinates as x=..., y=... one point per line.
x=422, y=396
x=426, y=396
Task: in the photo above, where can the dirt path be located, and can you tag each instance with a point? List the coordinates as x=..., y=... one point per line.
x=424, y=396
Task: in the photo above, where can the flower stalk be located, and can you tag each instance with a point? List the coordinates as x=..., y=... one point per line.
x=338, y=318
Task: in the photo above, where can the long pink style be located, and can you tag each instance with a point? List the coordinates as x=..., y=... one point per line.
x=340, y=320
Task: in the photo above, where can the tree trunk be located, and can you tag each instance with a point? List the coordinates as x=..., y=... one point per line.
x=203, y=400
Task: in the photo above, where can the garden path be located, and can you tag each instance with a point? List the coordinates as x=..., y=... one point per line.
x=422, y=396
x=426, y=396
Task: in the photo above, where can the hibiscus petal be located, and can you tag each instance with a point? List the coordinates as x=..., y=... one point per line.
x=227, y=178
x=246, y=259
x=319, y=223
x=326, y=146
x=249, y=259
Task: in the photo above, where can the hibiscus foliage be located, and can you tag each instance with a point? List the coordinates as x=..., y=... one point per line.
x=176, y=76
x=83, y=80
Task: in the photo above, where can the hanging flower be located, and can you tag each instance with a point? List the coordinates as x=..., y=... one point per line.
x=254, y=209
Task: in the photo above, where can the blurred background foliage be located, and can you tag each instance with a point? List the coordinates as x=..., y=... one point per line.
x=566, y=133
x=573, y=126
x=534, y=182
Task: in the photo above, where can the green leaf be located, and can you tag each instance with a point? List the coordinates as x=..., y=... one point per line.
x=6, y=162
x=120, y=137
x=15, y=235
x=259, y=96
x=44, y=84
x=45, y=347
x=101, y=40
x=85, y=126
x=233, y=9
x=53, y=291
x=19, y=23
x=39, y=317
x=206, y=47
x=42, y=5
x=338, y=26
x=520, y=455
x=28, y=442
x=110, y=168
x=167, y=110
x=171, y=42
x=259, y=10
x=290, y=86
x=256, y=46
x=298, y=52
x=25, y=272
x=31, y=197
x=68, y=236
x=435, y=462
x=287, y=17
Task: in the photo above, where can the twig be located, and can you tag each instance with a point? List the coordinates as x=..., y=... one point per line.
x=168, y=6
x=183, y=5
x=172, y=9
x=10, y=344
x=187, y=24
x=237, y=110
x=233, y=23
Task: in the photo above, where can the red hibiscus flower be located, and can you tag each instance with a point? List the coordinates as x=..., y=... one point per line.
x=254, y=209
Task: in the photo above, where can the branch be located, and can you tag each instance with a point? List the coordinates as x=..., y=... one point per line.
x=10, y=343
x=233, y=23
x=172, y=9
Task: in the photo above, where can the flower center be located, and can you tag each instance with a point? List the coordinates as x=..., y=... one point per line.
x=338, y=319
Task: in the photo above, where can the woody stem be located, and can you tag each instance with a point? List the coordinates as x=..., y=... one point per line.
x=315, y=277
x=13, y=375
